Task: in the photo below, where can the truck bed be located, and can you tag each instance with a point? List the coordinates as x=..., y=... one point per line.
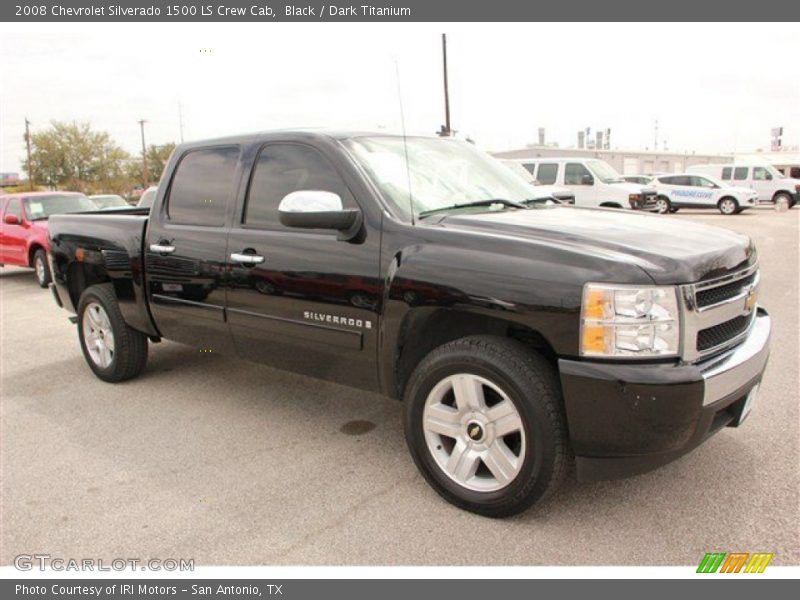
x=88, y=246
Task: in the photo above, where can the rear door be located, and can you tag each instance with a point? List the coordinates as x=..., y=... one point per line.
x=13, y=238
x=308, y=302
x=185, y=248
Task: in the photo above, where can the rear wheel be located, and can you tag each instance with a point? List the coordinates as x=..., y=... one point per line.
x=728, y=206
x=41, y=268
x=113, y=350
x=663, y=205
x=484, y=425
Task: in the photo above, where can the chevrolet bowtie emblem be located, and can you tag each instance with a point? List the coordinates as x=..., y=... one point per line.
x=750, y=301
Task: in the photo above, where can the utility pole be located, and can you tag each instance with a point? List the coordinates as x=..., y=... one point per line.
x=144, y=154
x=28, y=144
x=446, y=131
x=180, y=119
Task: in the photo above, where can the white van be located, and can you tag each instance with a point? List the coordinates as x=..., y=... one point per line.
x=770, y=183
x=593, y=181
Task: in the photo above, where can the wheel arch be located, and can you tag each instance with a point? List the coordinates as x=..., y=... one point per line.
x=33, y=249
x=425, y=329
x=610, y=205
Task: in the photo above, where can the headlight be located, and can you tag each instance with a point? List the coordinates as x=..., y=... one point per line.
x=621, y=320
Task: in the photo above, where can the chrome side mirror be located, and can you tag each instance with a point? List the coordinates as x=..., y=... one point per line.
x=314, y=209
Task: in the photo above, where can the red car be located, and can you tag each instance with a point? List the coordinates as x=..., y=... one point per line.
x=23, y=230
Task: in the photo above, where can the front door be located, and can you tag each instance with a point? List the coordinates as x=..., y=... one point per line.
x=185, y=249
x=13, y=237
x=582, y=183
x=763, y=183
x=299, y=299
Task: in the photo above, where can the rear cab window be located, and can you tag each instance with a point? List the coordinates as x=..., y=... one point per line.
x=202, y=186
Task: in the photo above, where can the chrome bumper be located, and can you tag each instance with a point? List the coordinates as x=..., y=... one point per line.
x=732, y=371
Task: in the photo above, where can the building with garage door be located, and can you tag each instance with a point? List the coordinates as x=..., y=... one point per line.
x=627, y=162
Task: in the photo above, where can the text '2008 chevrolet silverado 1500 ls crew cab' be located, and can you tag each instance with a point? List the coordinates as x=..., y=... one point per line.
x=519, y=333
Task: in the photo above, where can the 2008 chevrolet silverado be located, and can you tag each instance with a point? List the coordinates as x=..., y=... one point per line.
x=519, y=333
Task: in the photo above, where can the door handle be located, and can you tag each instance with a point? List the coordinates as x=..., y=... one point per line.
x=247, y=259
x=162, y=248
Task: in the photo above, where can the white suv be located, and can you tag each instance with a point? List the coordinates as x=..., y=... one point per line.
x=698, y=191
x=771, y=184
x=594, y=182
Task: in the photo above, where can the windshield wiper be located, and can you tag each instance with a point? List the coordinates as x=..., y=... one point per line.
x=503, y=201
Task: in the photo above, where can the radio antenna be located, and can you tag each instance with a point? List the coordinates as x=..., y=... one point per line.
x=405, y=141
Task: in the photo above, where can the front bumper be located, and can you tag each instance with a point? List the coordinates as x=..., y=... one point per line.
x=626, y=419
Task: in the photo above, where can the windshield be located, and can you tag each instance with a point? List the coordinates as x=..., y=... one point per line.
x=440, y=174
x=108, y=201
x=41, y=207
x=604, y=171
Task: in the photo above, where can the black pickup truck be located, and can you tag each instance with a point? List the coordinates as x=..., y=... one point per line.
x=519, y=333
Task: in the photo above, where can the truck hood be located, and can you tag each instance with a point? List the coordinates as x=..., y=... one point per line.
x=669, y=249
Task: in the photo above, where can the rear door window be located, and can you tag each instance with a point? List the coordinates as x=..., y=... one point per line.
x=740, y=173
x=203, y=186
x=548, y=173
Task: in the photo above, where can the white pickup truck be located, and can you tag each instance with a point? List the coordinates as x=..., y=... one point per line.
x=593, y=181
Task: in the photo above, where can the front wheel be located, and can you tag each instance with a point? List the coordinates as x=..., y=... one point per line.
x=484, y=425
x=663, y=205
x=782, y=197
x=728, y=206
x=41, y=268
x=114, y=351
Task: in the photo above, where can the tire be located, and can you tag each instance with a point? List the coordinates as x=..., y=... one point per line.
x=728, y=206
x=41, y=268
x=491, y=475
x=663, y=205
x=783, y=196
x=99, y=315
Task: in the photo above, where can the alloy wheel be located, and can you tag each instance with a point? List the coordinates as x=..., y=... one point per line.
x=474, y=432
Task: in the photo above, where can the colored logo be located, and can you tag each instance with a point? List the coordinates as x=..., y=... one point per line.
x=734, y=562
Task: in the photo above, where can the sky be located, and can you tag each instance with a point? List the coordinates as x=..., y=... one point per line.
x=711, y=87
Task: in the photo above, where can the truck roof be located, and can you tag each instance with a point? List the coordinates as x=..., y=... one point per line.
x=310, y=133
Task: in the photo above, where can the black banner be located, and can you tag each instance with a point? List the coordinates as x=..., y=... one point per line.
x=393, y=10
x=316, y=589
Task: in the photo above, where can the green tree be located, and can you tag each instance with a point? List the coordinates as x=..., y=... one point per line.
x=157, y=157
x=73, y=156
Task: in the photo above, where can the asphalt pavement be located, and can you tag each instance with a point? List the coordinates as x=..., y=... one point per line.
x=230, y=463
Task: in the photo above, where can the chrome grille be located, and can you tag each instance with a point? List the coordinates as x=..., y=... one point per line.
x=718, y=313
x=719, y=334
x=715, y=295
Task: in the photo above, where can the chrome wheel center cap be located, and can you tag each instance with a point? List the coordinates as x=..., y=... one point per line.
x=475, y=431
